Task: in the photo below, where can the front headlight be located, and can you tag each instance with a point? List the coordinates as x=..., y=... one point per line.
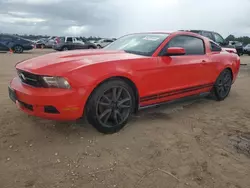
x=55, y=82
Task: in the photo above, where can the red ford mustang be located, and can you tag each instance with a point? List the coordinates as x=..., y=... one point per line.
x=135, y=71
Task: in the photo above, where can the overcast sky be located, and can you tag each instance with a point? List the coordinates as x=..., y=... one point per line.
x=113, y=18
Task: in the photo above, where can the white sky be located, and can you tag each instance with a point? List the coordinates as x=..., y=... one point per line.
x=113, y=18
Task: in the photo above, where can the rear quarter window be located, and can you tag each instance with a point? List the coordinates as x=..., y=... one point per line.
x=214, y=47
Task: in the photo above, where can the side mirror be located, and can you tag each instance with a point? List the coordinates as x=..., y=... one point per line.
x=175, y=51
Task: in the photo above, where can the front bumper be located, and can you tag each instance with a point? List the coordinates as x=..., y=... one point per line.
x=49, y=103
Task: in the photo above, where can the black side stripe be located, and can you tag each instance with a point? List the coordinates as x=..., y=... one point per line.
x=174, y=92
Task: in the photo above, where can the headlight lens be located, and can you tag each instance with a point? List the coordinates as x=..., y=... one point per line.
x=56, y=82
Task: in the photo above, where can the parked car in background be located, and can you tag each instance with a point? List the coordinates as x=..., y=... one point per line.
x=50, y=42
x=103, y=42
x=41, y=43
x=136, y=71
x=71, y=43
x=216, y=37
x=246, y=49
x=238, y=46
x=15, y=43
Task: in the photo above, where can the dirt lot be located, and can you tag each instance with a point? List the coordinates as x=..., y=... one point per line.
x=185, y=145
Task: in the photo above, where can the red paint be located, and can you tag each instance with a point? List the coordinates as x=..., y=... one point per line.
x=85, y=69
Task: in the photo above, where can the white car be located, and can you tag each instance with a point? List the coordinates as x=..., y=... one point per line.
x=246, y=49
x=103, y=42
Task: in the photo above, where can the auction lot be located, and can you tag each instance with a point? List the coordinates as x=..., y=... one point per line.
x=191, y=144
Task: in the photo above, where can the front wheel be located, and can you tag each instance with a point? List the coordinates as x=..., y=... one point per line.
x=110, y=106
x=18, y=49
x=223, y=85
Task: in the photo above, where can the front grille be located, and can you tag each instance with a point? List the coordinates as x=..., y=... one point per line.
x=29, y=78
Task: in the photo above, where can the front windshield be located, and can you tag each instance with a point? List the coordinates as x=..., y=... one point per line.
x=140, y=44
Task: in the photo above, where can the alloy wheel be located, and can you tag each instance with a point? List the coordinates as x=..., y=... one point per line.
x=224, y=83
x=114, y=106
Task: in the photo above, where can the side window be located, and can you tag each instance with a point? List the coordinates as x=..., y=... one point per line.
x=218, y=38
x=214, y=47
x=192, y=45
x=69, y=39
x=6, y=38
x=208, y=35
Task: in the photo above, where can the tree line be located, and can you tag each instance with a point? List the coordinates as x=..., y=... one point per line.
x=245, y=39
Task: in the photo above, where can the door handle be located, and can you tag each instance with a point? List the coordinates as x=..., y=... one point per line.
x=203, y=62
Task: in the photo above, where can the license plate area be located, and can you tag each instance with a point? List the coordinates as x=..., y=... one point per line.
x=12, y=94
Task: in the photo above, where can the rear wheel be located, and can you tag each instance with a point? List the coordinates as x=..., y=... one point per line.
x=223, y=85
x=18, y=49
x=99, y=46
x=110, y=106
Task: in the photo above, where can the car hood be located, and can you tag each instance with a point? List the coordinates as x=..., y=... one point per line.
x=59, y=63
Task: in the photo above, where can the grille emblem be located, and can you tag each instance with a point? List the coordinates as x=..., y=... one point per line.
x=22, y=76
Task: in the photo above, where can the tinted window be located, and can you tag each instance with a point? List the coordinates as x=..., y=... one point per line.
x=218, y=38
x=214, y=47
x=6, y=38
x=69, y=39
x=192, y=45
x=208, y=35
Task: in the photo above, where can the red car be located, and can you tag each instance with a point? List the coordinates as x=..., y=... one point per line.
x=135, y=71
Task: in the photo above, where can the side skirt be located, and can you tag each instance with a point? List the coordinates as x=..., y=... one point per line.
x=180, y=100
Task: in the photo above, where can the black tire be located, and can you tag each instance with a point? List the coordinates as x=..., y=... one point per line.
x=99, y=46
x=65, y=48
x=109, y=112
x=222, y=85
x=18, y=49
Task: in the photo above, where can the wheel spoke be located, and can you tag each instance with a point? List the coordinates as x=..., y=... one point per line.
x=123, y=101
x=114, y=94
x=104, y=104
x=124, y=106
x=119, y=93
x=106, y=112
x=115, y=117
x=119, y=115
x=107, y=116
x=107, y=99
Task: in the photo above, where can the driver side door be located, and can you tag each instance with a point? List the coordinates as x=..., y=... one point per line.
x=182, y=75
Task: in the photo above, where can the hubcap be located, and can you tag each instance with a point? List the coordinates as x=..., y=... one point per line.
x=114, y=106
x=224, y=84
x=18, y=49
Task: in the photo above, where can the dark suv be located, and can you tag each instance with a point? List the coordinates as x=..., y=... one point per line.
x=15, y=43
x=216, y=37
